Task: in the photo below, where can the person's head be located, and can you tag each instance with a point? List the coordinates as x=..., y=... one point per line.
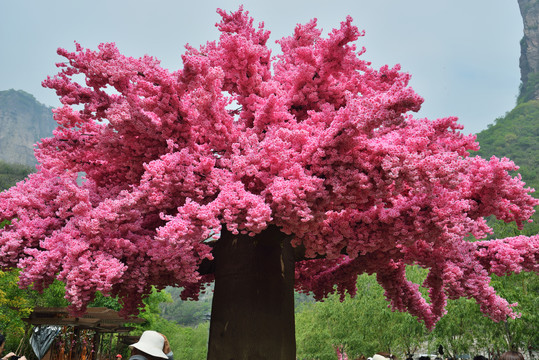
x=166, y=347
x=150, y=345
x=512, y=355
x=2, y=342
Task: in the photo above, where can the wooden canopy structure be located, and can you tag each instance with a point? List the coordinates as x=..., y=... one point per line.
x=99, y=319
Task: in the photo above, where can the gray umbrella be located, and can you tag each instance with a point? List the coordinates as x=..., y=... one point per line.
x=42, y=338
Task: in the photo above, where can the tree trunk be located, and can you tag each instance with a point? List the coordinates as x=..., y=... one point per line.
x=253, y=303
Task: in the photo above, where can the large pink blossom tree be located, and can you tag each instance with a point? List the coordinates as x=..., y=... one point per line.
x=261, y=173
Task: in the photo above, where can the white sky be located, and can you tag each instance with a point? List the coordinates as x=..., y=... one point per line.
x=463, y=54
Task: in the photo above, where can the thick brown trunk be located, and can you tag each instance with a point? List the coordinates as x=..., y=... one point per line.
x=253, y=303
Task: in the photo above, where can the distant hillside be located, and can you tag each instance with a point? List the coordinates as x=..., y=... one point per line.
x=23, y=122
x=516, y=136
x=10, y=174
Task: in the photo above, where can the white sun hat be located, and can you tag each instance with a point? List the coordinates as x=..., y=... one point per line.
x=151, y=343
x=379, y=357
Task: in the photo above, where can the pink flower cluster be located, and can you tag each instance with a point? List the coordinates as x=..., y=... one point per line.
x=314, y=141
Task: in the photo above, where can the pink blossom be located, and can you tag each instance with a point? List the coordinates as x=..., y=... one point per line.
x=319, y=143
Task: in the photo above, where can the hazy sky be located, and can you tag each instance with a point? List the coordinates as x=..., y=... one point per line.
x=463, y=55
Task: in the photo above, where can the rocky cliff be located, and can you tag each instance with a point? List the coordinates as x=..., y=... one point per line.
x=23, y=122
x=529, y=50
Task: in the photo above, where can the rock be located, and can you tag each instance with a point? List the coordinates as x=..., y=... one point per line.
x=23, y=122
x=529, y=47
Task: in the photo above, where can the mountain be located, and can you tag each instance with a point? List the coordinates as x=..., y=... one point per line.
x=23, y=122
x=516, y=135
x=529, y=50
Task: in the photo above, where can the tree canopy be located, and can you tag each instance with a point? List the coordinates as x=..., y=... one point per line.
x=314, y=142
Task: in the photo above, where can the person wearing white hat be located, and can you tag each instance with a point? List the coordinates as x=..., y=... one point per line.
x=149, y=347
